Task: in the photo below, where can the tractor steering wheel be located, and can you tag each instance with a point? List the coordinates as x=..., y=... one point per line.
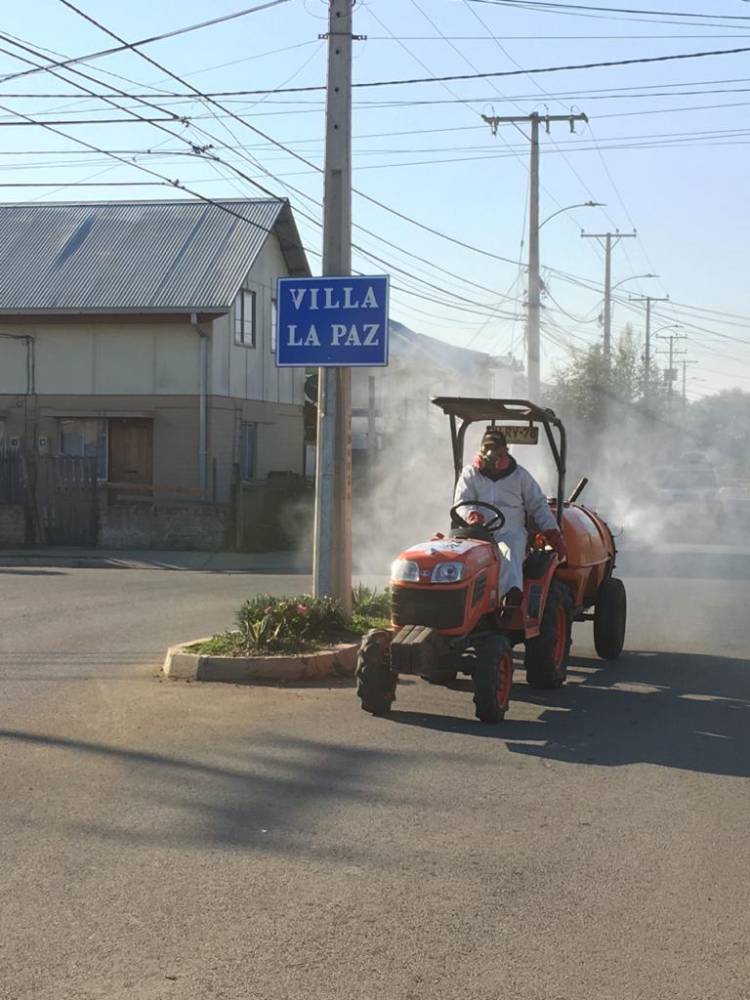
x=494, y=524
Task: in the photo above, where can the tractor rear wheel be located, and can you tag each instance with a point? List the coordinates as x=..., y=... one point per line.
x=546, y=658
x=493, y=679
x=376, y=681
x=610, y=616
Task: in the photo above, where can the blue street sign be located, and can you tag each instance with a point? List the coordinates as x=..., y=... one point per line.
x=332, y=322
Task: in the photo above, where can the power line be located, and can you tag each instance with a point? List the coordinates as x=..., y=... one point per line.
x=86, y=184
x=245, y=177
x=544, y=6
x=68, y=4
x=361, y=250
x=538, y=38
x=458, y=76
x=564, y=95
x=146, y=41
x=387, y=208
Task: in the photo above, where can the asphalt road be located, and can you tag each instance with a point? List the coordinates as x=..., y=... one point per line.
x=170, y=840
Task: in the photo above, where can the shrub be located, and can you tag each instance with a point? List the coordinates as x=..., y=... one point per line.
x=266, y=624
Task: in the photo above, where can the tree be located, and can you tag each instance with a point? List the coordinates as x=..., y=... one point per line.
x=597, y=393
x=614, y=419
x=722, y=424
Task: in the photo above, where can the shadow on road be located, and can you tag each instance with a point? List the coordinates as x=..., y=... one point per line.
x=678, y=710
x=272, y=795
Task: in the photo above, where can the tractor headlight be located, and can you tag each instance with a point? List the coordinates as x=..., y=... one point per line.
x=406, y=570
x=448, y=572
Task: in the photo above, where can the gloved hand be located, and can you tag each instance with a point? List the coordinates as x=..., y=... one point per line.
x=475, y=517
x=556, y=540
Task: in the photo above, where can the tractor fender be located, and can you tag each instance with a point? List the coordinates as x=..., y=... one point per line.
x=539, y=573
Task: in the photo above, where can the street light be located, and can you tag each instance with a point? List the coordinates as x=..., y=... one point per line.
x=633, y=277
x=568, y=208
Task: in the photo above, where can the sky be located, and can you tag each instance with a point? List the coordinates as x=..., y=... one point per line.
x=665, y=150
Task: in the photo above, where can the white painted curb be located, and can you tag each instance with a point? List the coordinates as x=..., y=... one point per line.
x=338, y=661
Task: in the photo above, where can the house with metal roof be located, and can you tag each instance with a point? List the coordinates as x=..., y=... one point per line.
x=139, y=336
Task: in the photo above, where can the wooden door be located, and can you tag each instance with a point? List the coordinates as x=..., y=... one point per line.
x=131, y=450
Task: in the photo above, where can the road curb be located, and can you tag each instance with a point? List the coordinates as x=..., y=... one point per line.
x=339, y=661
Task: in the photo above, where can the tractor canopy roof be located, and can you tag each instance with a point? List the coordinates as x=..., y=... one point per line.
x=469, y=409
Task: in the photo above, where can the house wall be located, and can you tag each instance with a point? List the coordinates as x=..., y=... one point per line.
x=280, y=434
x=81, y=358
x=145, y=368
x=12, y=526
x=250, y=372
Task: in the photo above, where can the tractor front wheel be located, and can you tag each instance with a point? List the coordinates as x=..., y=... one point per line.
x=493, y=679
x=610, y=615
x=376, y=681
x=546, y=658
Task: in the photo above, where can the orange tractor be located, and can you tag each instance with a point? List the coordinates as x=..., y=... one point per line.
x=447, y=612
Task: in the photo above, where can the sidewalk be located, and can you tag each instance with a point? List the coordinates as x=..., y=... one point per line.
x=206, y=562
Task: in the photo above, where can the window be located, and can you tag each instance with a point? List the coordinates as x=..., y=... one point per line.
x=273, y=326
x=85, y=438
x=244, y=319
x=248, y=450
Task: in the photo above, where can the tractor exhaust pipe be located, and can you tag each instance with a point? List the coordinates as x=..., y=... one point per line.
x=582, y=484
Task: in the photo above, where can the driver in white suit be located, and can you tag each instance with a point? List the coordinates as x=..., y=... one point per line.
x=495, y=477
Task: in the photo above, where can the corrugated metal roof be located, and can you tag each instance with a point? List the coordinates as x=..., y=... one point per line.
x=146, y=256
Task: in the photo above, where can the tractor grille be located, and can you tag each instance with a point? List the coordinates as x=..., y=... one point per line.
x=428, y=606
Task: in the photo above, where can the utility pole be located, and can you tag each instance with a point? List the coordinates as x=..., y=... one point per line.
x=535, y=283
x=332, y=554
x=672, y=374
x=610, y=242
x=648, y=299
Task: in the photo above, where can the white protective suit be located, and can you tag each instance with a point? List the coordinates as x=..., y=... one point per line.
x=516, y=495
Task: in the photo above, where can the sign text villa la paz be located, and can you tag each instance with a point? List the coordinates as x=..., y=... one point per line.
x=328, y=322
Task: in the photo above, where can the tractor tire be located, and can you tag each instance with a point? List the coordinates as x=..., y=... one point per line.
x=546, y=657
x=610, y=617
x=442, y=677
x=376, y=681
x=493, y=679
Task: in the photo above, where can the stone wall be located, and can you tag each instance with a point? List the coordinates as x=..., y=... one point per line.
x=145, y=526
x=12, y=526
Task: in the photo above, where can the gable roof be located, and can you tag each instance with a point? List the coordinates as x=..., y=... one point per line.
x=136, y=257
x=419, y=348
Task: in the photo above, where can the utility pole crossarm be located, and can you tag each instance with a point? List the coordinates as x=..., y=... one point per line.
x=494, y=120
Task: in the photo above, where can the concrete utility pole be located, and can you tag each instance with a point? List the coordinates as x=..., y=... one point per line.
x=332, y=554
x=648, y=299
x=535, y=283
x=610, y=241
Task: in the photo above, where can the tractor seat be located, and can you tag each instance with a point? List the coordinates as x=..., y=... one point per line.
x=536, y=563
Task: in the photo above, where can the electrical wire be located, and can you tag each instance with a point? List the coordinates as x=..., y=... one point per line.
x=394, y=267
x=147, y=41
x=545, y=6
x=70, y=5
x=639, y=61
